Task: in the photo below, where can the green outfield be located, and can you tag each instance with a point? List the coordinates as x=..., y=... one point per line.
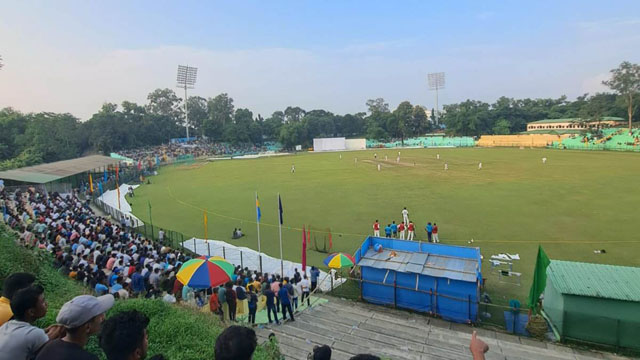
x=574, y=204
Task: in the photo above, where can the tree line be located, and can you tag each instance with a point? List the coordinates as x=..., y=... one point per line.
x=28, y=139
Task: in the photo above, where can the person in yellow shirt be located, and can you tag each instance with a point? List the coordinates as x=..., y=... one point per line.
x=12, y=284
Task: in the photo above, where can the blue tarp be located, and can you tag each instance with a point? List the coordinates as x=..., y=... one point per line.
x=434, y=278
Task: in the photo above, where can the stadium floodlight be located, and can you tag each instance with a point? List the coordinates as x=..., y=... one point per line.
x=186, y=79
x=436, y=82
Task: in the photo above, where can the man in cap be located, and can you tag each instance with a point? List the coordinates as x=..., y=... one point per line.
x=82, y=317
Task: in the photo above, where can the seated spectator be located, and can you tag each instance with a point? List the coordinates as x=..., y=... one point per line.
x=82, y=317
x=236, y=343
x=12, y=284
x=321, y=353
x=19, y=339
x=365, y=357
x=124, y=336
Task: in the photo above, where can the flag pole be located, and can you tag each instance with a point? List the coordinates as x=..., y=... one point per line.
x=280, y=232
x=258, y=225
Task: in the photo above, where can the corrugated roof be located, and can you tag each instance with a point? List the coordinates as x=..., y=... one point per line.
x=441, y=266
x=45, y=173
x=596, y=280
x=552, y=121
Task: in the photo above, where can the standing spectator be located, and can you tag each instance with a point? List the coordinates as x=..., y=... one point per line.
x=214, y=304
x=429, y=230
x=412, y=230
x=236, y=343
x=297, y=292
x=315, y=273
x=231, y=297
x=271, y=306
x=12, y=284
x=435, y=233
x=376, y=228
x=275, y=287
x=82, y=316
x=304, y=287
x=242, y=297
x=125, y=336
x=387, y=230
x=137, y=282
x=222, y=298
x=394, y=229
x=253, y=304
x=285, y=301
x=19, y=339
x=161, y=236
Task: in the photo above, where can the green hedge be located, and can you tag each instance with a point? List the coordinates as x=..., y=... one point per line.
x=178, y=333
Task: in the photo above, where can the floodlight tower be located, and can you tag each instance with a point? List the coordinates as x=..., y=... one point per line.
x=186, y=80
x=436, y=82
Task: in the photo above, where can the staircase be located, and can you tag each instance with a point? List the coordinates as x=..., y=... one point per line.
x=351, y=328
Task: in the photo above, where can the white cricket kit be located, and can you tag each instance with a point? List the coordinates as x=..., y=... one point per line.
x=405, y=217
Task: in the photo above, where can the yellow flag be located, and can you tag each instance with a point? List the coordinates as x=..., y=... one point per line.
x=205, y=224
x=90, y=183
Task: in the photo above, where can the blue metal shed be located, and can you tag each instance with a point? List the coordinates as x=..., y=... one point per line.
x=439, y=279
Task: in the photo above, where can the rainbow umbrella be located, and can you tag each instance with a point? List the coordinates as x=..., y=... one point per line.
x=339, y=260
x=204, y=273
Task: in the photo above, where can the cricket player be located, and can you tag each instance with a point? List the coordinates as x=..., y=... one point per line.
x=405, y=216
x=411, y=229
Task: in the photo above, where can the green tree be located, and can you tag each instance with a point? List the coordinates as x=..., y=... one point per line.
x=221, y=112
x=625, y=80
x=377, y=105
x=418, y=123
x=469, y=118
x=198, y=113
x=272, y=125
x=293, y=114
x=292, y=134
x=402, y=115
x=501, y=127
x=166, y=102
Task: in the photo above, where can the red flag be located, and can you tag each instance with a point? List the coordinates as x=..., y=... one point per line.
x=139, y=165
x=304, y=250
x=117, y=171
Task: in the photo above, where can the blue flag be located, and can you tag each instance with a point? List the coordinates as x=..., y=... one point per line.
x=106, y=178
x=280, y=208
x=258, y=212
x=100, y=187
x=157, y=160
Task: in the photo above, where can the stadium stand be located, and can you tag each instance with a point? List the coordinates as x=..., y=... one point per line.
x=425, y=141
x=534, y=140
x=612, y=139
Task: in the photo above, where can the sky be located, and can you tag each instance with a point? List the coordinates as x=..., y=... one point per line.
x=73, y=56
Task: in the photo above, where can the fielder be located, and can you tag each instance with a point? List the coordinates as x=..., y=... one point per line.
x=405, y=216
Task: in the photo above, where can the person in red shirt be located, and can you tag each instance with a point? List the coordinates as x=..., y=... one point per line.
x=401, y=230
x=376, y=228
x=214, y=304
x=411, y=229
x=434, y=232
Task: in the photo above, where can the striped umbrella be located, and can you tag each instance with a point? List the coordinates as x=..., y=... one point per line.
x=205, y=273
x=339, y=260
